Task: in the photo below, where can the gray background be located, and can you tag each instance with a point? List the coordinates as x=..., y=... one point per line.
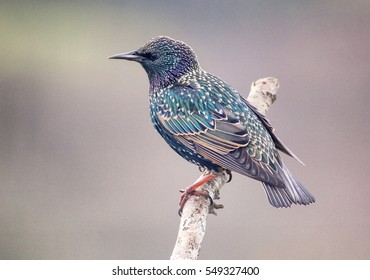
x=83, y=175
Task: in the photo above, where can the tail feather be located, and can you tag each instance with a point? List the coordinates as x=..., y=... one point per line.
x=277, y=196
x=293, y=192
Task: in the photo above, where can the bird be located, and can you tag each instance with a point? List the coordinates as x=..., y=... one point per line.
x=208, y=123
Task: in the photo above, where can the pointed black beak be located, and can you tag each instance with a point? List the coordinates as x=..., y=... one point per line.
x=128, y=56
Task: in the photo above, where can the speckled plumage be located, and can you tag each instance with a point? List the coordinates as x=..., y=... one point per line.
x=210, y=124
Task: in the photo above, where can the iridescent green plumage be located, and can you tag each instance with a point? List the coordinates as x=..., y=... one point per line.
x=208, y=123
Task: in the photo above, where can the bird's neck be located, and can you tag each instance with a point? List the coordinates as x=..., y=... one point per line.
x=159, y=82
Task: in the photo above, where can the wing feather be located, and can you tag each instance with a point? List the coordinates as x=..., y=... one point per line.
x=219, y=135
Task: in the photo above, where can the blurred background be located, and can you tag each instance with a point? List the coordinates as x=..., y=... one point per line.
x=83, y=174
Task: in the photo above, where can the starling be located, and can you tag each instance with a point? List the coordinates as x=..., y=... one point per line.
x=210, y=124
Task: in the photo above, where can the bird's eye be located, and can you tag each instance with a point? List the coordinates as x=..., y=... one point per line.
x=151, y=56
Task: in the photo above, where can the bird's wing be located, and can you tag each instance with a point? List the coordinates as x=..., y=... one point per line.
x=278, y=143
x=210, y=124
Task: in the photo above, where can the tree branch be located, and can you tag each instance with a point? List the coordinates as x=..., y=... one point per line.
x=194, y=216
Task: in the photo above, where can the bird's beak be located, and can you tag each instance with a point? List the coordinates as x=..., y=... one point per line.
x=128, y=56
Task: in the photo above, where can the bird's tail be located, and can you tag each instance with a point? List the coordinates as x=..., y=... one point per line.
x=293, y=192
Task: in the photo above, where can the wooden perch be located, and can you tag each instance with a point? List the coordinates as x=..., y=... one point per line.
x=194, y=216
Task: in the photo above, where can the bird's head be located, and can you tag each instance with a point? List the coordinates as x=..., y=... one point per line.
x=164, y=59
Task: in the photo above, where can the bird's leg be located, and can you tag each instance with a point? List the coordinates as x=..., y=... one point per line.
x=191, y=190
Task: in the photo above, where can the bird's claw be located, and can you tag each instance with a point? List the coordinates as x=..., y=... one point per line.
x=186, y=194
x=228, y=172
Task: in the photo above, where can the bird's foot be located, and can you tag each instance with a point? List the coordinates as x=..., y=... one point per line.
x=186, y=195
x=191, y=190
